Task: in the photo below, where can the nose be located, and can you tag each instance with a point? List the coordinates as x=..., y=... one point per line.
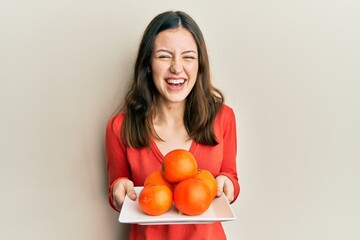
x=176, y=66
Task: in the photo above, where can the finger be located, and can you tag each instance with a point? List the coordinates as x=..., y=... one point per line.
x=130, y=191
x=219, y=192
x=229, y=191
x=119, y=194
x=118, y=202
x=220, y=186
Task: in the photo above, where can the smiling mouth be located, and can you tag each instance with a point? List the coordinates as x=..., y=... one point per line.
x=175, y=82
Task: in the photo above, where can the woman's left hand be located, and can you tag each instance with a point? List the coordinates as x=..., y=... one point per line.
x=225, y=186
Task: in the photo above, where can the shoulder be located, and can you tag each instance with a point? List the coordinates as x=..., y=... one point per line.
x=226, y=112
x=225, y=116
x=115, y=122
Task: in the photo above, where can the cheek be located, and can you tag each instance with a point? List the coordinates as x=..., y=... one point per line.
x=191, y=67
x=158, y=69
x=158, y=73
x=193, y=70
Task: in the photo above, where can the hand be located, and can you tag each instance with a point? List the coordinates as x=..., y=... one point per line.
x=225, y=186
x=121, y=188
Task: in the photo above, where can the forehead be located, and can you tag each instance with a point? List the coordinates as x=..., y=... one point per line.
x=175, y=39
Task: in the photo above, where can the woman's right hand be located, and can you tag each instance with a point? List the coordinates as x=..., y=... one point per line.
x=122, y=188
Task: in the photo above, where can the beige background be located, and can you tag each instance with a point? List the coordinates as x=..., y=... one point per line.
x=290, y=70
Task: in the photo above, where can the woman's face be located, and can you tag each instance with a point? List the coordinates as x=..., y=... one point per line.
x=174, y=64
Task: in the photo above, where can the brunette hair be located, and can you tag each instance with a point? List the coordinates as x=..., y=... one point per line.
x=202, y=104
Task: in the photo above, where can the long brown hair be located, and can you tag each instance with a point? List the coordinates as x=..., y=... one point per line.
x=202, y=104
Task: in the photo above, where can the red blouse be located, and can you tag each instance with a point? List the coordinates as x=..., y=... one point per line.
x=137, y=163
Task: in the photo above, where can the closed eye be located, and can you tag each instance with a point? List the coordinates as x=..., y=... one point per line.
x=163, y=57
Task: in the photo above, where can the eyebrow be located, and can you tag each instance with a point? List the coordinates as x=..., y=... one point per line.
x=167, y=51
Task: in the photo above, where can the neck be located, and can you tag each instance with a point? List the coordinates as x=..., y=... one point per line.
x=169, y=113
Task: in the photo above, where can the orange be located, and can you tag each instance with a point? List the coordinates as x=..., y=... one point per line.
x=192, y=196
x=155, y=199
x=178, y=165
x=209, y=179
x=157, y=178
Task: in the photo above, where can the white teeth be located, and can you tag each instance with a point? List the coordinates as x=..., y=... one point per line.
x=175, y=81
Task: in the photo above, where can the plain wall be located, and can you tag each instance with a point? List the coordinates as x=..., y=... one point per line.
x=289, y=69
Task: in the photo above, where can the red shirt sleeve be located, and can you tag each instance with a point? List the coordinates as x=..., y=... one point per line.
x=228, y=166
x=116, y=163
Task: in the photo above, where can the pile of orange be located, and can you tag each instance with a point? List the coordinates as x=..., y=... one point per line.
x=179, y=182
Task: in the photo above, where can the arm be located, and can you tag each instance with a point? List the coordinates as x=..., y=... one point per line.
x=227, y=180
x=117, y=165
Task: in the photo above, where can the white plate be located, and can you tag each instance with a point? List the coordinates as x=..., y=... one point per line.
x=219, y=211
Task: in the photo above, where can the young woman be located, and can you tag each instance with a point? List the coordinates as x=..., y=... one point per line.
x=171, y=104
